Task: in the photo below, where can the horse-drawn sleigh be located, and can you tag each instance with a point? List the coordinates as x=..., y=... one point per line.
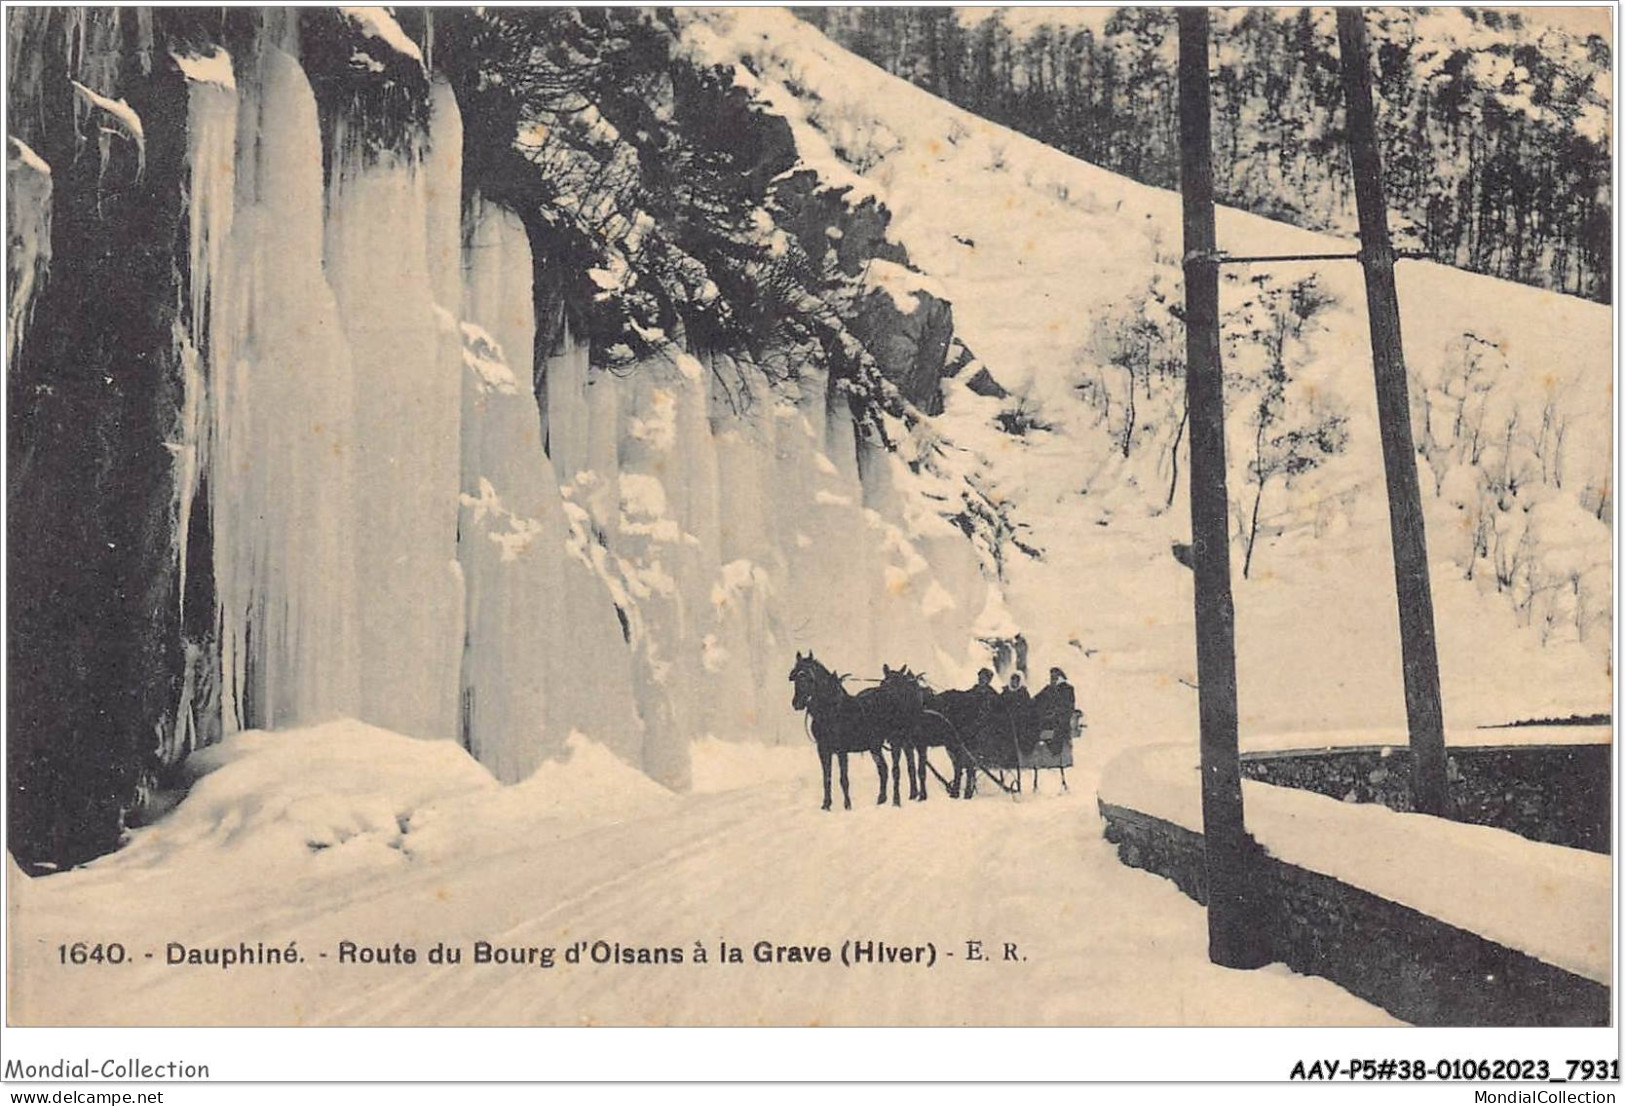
x=904, y=715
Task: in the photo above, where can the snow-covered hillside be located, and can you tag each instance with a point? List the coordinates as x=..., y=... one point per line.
x=1048, y=260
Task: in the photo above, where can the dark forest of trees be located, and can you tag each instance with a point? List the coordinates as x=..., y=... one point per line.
x=1495, y=134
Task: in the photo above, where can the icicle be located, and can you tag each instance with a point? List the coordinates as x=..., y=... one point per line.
x=509, y=545
x=125, y=122
x=144, y=38
x=211, y=129
x=407, y=400
x=752, y=583
x=568, y=419
x=201, y=334
x=281, y=470
x=543, y=654
x=599, y=486
x=28, y=233
x=442, y=171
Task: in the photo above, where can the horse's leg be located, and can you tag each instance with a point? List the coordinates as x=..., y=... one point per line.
x=880, y=769
x=898, y=753
x=918, y=764
x=846, y=786
x=825, y=755
x=1064, y=787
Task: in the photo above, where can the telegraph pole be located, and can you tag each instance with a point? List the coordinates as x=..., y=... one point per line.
x=1233, y=937
x=1424, y=712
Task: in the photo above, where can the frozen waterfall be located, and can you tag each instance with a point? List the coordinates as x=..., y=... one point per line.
x=402, y=533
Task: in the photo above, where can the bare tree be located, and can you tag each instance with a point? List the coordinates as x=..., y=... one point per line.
x=1291, y=434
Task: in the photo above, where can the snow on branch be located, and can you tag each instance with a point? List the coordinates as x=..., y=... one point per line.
x=124, y=121
x=378, y=23
x=214, y=68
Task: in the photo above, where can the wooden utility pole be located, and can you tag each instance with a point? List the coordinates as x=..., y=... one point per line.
x=1233, y=937
x=1423, y=710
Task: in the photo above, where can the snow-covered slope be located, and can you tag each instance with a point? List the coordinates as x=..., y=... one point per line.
x=1047, y=260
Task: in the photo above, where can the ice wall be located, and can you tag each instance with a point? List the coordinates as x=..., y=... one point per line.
x=323, y=401
x=398, y=528
x=543, y=653
x=511, y=527
x=407, y=386
x=390, y=540
x=281, y=463
x=749, y=525
x=333, y=378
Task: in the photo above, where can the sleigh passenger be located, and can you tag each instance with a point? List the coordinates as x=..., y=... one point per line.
x=1055, y=707
x=1016, y=709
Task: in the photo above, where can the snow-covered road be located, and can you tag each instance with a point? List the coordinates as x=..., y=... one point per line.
x=1099, y=944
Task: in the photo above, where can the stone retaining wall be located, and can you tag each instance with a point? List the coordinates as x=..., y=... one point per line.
x=1554, y=793
x=1414, y=966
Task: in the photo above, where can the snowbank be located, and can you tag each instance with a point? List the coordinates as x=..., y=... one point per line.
x=284, y=805
x=589, y=782
x=730, y=765
x=344, y=799
x=1553, y=903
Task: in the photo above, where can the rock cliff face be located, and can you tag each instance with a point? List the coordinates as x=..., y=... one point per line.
x=905, y=323
x=909, y=330
x=289, y=443
x=100, y=627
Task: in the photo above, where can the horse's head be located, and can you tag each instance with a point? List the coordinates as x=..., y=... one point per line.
x=902, y=683
x=808, y=676
x=900, y=677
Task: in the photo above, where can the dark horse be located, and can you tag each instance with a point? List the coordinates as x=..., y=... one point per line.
x=844, y=723
x=913, y=731
x=964, y=724
x=958, y=722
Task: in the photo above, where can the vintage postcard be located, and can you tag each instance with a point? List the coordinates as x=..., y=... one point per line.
x=846, y=516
